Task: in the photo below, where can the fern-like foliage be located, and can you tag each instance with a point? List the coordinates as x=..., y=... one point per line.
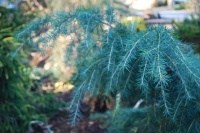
x=114, y=59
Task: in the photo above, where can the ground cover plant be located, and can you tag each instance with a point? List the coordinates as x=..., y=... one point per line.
x=153, y=77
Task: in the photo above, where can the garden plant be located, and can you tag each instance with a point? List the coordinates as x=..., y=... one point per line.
x=153, y=77
x=189, y=31
x=19, y=106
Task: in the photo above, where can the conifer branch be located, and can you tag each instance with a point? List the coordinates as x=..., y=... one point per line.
x=176, y=110
x=127, y=81
x=128, y=56
x=110, y=55
x=112, y=59
x=143, y=74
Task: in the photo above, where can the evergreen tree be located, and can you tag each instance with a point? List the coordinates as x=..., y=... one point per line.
x=18, y=105
x=15, y=111
x=151, y=69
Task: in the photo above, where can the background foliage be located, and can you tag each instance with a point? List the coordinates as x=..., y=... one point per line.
x=18, y=105
x=189, y=31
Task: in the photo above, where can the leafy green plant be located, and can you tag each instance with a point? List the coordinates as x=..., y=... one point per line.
x=189, y=31
x=115, y=60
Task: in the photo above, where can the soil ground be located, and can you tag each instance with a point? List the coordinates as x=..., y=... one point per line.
x=60, y=122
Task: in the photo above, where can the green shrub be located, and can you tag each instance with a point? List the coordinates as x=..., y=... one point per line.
x=18, y=105
x=189, y=31
x=115, y=60
x=180, y=6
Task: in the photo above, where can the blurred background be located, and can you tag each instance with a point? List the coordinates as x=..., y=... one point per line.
x=35, y=87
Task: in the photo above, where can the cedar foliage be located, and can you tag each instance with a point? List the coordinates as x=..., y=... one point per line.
x=115, y=60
